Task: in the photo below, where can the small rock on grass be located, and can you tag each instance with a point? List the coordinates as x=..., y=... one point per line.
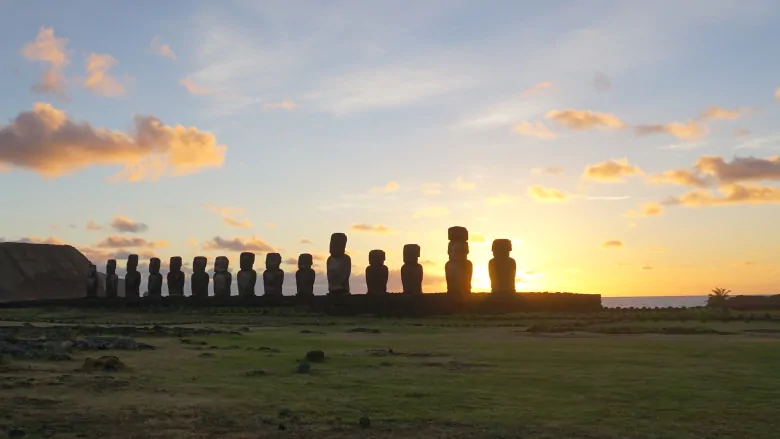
x=365, y=422
x=315, y=356
x=15, y=433
x=303, y=367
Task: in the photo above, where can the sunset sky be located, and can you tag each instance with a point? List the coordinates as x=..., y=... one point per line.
x=626, y=147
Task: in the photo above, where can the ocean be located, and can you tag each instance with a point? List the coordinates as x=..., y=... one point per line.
x=653, y=301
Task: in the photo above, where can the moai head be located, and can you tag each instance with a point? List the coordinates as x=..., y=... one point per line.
x=376, y=257
x=338, y=244
x=305, y=260
x=111, y=267
x=247, y=260
x=132, y=263
x=411, y=253
x=457, y=233
x=501, y=248
x=458, y=250
x=199, y=264
x=154, y=266
x=92, y=270
x=273, y=261
x=175, y=263
x=221, y=264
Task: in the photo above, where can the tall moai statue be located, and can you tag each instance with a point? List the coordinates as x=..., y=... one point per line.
x=92, y=282
x=304, y=277
x=222, y=277
x=247, y=276
x=458, y=269
x=502, y=268
x=376, y=273
x=155, y=278
x=175, y=277
x=412, y=271
x=273, y=276
x=132, y=278
x=199, y=279
x=339, y=266
x=112, y=280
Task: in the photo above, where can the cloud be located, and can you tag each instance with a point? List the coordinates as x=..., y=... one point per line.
x=432, y=188
x=730, y=194
x=126, y=225
x=281, y=105
x=584, y=119
x=52, y=82
x=611, y=171
x=391, y=186
x=601, y=82
x=431, y=212
x=228, y=215
x=46, y=141
x=536, y=88
x=777, y=93
x=499, y=199
x=194, y=88
x=238, y=244
x=683, y=146
x=613, y=243
x=534, y=129
x=92, y=226
x=36, y=240
x=680, y=177
x=99, y=81
x=546, y=195
x=550, y=170
x=239, y=224
x=164, y=50
x=759, y=142
x=691, y=130
x=716, y=112
x=647, y=209
x=462, y=185
x=116, y=241
x=379, y=228
x=741, y=132
x=305, y=241
x=647, y=267
x=51, y=51
x=476, y=238
x=99, y=256
x=740, y=168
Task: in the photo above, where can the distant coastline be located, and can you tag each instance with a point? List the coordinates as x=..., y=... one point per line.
x=657, y=301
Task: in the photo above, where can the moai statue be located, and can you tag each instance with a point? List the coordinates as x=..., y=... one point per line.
x=458, y=269
x=273, y=276
x=246, y=277
x=93, y=282
x=199, y=278
x=502, y=268
x=112, y=280
x=155, y=278
x=304, y=277
x=339, y=266
x=376, y=273
x=412, y=271
x=175, y=278
x=132, y=278
x=222, y=277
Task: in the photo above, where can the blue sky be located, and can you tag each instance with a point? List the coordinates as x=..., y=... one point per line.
x=449, y=106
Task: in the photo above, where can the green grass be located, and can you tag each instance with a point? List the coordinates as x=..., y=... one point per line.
x=448, y=377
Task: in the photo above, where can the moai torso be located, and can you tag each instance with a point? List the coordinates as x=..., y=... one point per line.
x=132, y=278
x=304, y=277
x=200, y=279
x=376, y=273
x=273, y=276
x=92, y=282
x=502, y=268
x=222, y=277
x=247, y=276
x=411, y=271
x=175, y=278
x=338, y=265
x=112, y=280
x=155, y=278
x=458, y=269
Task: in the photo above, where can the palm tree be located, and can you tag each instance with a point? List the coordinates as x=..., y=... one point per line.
x=718, y=297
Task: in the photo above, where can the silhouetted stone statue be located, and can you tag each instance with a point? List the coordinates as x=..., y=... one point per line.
x=92, y=281
x=304, y=277
x=502, y=268
x=155, y=278
x=132, y=278
x=339, y=266
x=273, y=276
x=376, y=273
x=247, y=276
x=458, y=269
x=175, y=278
x=112, y=280
x=199, y=278
x=412, y=271
x=222, y=277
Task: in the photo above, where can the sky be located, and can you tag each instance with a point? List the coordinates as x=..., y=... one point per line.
x=625, y=147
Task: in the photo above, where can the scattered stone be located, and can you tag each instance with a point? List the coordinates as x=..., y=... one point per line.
x=285, y=413
x=15, y=433
x=366, y=330
x=282, y=427
x=256, y=373
x=303, y=367
x=103, y=364
x=365, y=422
x=206, y=355
x=193, y=342
x=315, y=356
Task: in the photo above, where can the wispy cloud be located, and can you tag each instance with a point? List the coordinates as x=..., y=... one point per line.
x=161, y=49
x=534, y=129
x=759, y=142
x=740, y=168
x=730, y=194
x=99, y=80
x=286, y=104
x=126, y=225
x=432, y=188
x=228, y=214
x=550, y=170
x=716, y=112
x=646, y=210
x=613, y=243
x=391, y=186
x=690, y=130
x=547, y=195
x=585, y=119
x=677, y=176
x=611, y=171
x=369, y=228
x=94, y=227
x=683, y=146
x=238, y=244
x=194, y=88
x=116, y=241
x=462, y=184
x=51, y=51
x=536, y=88
x=431, y=212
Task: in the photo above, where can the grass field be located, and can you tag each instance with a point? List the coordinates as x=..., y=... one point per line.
x=652, y=374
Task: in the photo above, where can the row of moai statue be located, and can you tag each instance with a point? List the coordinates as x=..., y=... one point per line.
x=458, y=271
